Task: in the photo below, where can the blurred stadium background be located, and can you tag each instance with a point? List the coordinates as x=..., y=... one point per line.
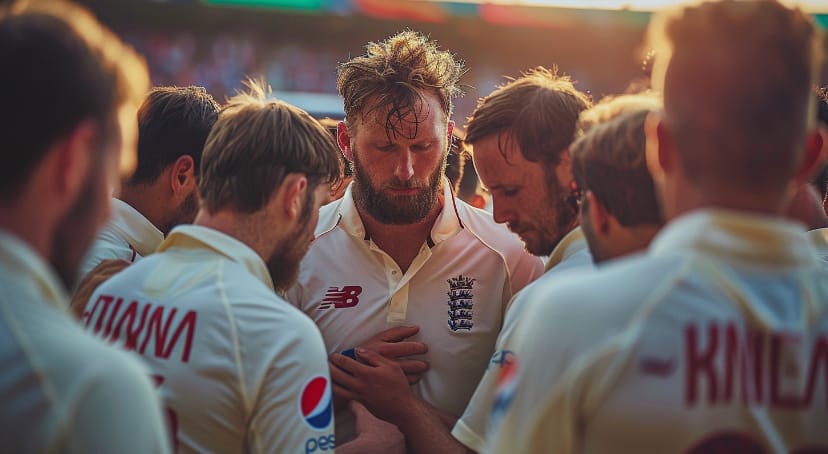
x=296, y=44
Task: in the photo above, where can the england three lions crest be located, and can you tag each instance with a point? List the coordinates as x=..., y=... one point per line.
x=461, y=303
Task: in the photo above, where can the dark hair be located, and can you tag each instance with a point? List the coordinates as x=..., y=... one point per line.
x=172, y=122
x=610, y=161
x=539, y=110
x=60, y=68
x=457, y=160
x=394, y=74
x=255, y=143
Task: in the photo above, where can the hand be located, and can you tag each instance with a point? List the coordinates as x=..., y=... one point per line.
x=372, y=434
x=91, y=281
x=391, y=344
x=377, y=382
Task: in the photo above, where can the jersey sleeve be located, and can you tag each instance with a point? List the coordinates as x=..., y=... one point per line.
x=524, y=268
x=471, y=427
x=105, y=247
x=119, y=412
x=533, y=398
x=293, y=408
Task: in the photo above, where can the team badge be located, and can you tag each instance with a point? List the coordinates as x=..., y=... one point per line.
x=316, y=403
x=504, y=388
x=461, y=303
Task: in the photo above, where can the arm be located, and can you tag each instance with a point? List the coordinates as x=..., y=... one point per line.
x=382, y=387
x=91, y=281
x=293, y=409
x=120, y=412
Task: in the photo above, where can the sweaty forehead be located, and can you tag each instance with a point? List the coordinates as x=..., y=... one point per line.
x=413, y=121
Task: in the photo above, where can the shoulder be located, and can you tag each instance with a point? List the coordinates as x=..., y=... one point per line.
x=481, y=224
x=328, y=217
x=598, y=298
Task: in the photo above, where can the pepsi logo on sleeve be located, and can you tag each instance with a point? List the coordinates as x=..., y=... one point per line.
x=316, y=403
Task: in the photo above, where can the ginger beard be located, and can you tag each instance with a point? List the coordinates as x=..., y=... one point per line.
x=398, y=210
x=283, y=263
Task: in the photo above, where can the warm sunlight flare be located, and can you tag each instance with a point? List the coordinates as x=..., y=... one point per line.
x=814, y=6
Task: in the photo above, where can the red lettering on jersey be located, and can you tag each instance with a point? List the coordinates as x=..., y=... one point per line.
x=700, y=363
x=743, y=357
x=766, y=367
x=157, y=329
x=162, y=347
x=132, y=331
x=819, y=356
x=347, y=296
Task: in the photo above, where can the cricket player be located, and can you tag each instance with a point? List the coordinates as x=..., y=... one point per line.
x=715, y=339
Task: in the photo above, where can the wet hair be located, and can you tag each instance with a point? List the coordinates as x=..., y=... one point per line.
x=391, y=78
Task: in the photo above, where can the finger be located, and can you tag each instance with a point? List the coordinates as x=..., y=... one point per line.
x=414, y=379
x=401, y=349
x=341, y=376
x=413, y=366
x=372, y=358
x=342, y=393
x=398, y=333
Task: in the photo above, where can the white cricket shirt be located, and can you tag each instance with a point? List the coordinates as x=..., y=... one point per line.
x=819, y=241
x=715, y=340
x=456, y=290
x=570, y=254
x=238, y=368
x=62, y=390
x=128, y=235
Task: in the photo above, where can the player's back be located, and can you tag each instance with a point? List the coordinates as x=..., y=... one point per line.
x=236, y=366
x=730, y=357
x=710, y=341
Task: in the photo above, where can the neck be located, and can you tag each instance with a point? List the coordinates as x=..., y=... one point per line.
x=243, y=227
x=147, y=200
x=726, y=199
x=400, y=241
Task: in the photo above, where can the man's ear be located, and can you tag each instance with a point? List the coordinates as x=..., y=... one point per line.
x=291, y=194
x=660, y=150
x=598, y=212
x=343, y=138
x=813, y=159
x=182, y=176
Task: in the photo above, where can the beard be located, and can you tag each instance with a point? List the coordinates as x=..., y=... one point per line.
x=552, y=223
x=76, y=231
x=283, y=263
x=184, y=214
x=397, y=210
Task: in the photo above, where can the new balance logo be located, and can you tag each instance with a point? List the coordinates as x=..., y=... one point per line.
x=347, y=296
